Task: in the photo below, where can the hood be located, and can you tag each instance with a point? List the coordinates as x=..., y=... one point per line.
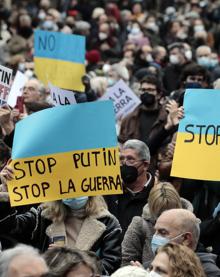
x=206, y=257
x=185, y=204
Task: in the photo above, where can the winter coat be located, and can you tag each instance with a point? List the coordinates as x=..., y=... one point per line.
x=100, y=233
x=127, y=205
x=136, y=245
x=208, y=261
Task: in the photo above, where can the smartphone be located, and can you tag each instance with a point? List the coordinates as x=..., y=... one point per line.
x=20, y=104
x=58, y=240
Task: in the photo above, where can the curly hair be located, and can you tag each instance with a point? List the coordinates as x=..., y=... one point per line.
x=182, y=260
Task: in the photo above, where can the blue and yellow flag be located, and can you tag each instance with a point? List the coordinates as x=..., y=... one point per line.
x=59, y=59
x=66, y=151
x=197, y=151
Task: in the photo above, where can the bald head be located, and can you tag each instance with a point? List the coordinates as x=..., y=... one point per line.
x=174, y=222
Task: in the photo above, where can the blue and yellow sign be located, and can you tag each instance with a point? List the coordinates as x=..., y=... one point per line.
x=59, y=58
x=197, y=151
x=63, y=152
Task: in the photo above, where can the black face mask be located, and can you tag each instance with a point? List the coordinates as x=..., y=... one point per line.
x=148, y=99
x=129, y=173
x=25, y=32
x=192, y=85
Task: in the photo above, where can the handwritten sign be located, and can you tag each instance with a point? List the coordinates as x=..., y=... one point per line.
x=197, y=151
x=72, y=153
x=5, y=83
x=59, y=58
x=18, y=83
x=61, y=96
x=124, y=99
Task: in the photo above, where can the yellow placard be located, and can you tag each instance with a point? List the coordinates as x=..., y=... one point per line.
x=65, y=175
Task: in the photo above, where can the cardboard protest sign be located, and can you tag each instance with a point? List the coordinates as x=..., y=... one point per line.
x=5, y=83
x=124, y=99
x=61, y=96
x=59, y=59
x=72, y=153
x=197, y=151
x=18, y=83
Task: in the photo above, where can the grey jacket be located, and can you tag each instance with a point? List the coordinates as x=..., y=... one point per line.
x=136, y=245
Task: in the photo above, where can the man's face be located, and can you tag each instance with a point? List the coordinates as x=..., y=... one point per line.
x=150, y=88
x=167, y=226
x=31, y=91
x=26, y=266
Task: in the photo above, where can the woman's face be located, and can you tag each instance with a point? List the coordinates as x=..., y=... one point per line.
x=161, y=265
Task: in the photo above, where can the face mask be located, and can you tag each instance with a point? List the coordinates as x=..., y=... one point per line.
x=153, y=274
x=76, y=203
x=25, y=32
x=174, y=59
x=188, y=55
x=149, y=58
x=135, y=31
x=148, y=99
x=192, y=85
x=198, y=28
x=103, y=36
x=111, y=82
x=204, y=61
x=158, y=241
x=153, y=27
x=213, y=63
x=129, y=173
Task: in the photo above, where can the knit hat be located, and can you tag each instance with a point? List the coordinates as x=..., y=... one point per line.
x=93, y=56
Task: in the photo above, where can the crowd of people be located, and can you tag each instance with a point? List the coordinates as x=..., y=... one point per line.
x=161, y=226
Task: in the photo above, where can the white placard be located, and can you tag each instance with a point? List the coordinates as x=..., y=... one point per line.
x=124, y=99
x=61, y=96
x=5, y=83
x=16, y=88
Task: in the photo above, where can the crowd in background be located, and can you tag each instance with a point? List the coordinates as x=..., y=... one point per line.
x=158, y=48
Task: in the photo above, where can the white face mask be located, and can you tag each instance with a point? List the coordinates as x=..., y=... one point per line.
x=149, y=58
x=198, y=28
x=174, y=59
x=188, y=55
x=153, y=274
x=103, y=36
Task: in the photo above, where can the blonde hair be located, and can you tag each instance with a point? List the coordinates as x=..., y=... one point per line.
x=163, y=196
x=182, y=260
x=57, y=211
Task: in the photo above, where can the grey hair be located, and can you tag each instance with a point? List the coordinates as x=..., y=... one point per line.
x=140, y=147
x=8, y=255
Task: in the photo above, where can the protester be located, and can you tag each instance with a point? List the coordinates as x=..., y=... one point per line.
x=182, y=226
x=22, y=260
x=136, y=245
x=63, y=261
x=69, y=222
x=137, y=182
x=175, y=260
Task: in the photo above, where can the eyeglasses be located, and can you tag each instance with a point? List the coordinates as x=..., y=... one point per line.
x=129, y=160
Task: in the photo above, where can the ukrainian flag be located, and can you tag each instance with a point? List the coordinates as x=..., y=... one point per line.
x=197, y=151
x=59, y=58
x=66, y=151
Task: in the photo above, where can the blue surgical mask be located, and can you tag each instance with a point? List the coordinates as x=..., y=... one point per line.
x=192, y=85
x=76, y=203
x=158, y=241
x=204, y=61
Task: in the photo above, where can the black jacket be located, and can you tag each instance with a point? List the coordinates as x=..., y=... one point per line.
x=30, y=228
x=125, y=206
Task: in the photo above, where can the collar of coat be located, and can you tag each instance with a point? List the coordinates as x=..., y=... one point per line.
x=91, y=230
